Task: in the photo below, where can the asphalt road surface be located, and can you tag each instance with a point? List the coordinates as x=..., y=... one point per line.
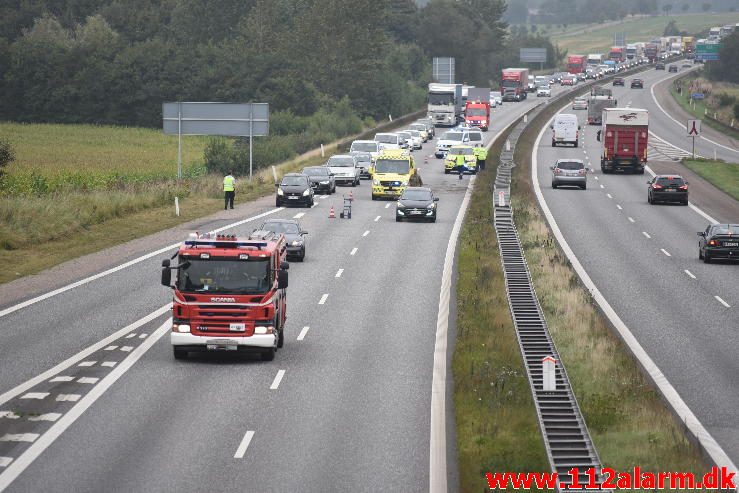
x=644, y=260
x=92, y=399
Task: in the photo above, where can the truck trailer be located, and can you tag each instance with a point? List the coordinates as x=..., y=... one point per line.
x=624, y=136
x=514, y=82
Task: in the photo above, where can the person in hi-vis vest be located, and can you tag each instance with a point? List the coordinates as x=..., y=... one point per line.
x=229, y=190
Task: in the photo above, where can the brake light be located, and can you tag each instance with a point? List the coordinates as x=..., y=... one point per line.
x=582, y=171
x=656, y=187
x=683, y=187
x=557, y=170
x=712, y=243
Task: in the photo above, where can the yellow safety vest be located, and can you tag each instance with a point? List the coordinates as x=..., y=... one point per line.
x=481, y=153
x=228, y=183
x=460, y=160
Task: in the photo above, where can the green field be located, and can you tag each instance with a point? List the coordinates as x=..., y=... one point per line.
x=594, y=38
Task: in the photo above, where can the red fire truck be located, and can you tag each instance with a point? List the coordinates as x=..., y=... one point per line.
x=229, y=294
x=624, y=137
x=477, y=114
x=576, y=64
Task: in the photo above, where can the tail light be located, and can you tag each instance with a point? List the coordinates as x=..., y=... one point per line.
x=656, y=187
x=683, y=187
x=582, y=171
x=712, y=243
x=557, y=171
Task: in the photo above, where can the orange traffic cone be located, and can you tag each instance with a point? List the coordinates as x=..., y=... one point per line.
x=331, y=213
x=351, y=195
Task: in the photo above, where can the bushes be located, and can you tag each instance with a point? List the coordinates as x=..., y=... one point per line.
x=7, y=155
x=725, y=99
x=736, y=111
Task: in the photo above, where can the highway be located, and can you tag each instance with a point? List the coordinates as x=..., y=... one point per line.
x=91, y=398
x=644, y=261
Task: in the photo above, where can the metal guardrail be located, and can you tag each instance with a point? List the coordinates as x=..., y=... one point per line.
x=564, y=432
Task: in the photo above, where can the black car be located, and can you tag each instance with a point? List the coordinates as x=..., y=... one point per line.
x=364, y=162
x=618, y=81
x=294, y=189
x=416, y=203
x=667, y=188
x=687, y=65
x=637, y=83
x=659, y=66
x=719, y=241
x=672, y=68
x=293, y=233
x=321, y=179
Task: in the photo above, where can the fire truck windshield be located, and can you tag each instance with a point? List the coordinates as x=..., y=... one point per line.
x=476, y=112
x=224, y=276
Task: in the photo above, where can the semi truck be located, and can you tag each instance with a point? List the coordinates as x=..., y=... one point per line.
x=477, y=108
x=596, y=104
x=514, y=82
x=624, y=136
x=445, y=104
x=631, y=51
x=617, y=54
x=651, y=51
x=229, y=294
x=594, y=59
x=576, y=64
x=688, y=44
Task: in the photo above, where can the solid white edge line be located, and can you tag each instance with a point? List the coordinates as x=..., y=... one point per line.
x=695, y=208
x=720, y=300
x=437, y=442
x=303, y=333
x=10, y=394
x=244, y=445
x=81, y=282
x=681, y=409
x=278, y=378
x=38, y=447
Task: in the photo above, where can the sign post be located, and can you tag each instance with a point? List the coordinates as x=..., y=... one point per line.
x=549, y=374
x=693, y=127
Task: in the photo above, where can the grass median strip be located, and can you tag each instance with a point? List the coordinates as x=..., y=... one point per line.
x=724, y=176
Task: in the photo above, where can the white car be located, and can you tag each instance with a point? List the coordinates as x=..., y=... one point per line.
x=388, y=141
x=345, y=168
x=366, y=146
x=420, y=128
x=407, y=139
x=543, y=92
x=416, y=138
x=449, y=139
x=476, y=138
x=495, y=95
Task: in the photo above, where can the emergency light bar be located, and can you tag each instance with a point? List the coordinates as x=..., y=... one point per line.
x=226, y=244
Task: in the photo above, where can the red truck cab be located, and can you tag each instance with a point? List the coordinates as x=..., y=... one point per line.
x=229, y=294
x=576, y=64
x=513, y=84
x=624, y=137
x=477, y=114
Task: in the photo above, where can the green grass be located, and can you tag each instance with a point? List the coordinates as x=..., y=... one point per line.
x=724, y=176
x=698, y=108
x=599, y=39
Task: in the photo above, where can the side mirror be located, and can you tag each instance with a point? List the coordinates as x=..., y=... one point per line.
x=551, y=168
x=436, y=199
x=282, y=279
x=284, y=265
x=303, y=232
x=277, y=185
x=649, y=181
x=701, y=233
x=166, y=273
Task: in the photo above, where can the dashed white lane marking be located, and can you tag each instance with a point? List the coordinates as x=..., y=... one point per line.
x=609, y=196
x=127, y=349
x=689, y=273
x=35, y=395
x=68, y=397
x=61, y=379
x=601, y=186
x=323, y=299
x=89, y=380
x=9, y=415
x=87, y=363
x=277, y=380
x=595, y=177
x=19, y=437
x=631, y=220
x=387, y=206
x=365, y=233
x=354, y=251
x=110, y=348
x=313, y=206
x=377, y=218
x=323, y=196
x=619, y=207
x=130, y=336
x=339, y=272
x=299, y=215
x=5, y=461
x=303, y=333
x=46, y=417
x=109, y=364
x=244, y=445
x=665, y=252
x=718, y=298
x=143, y=336
x=645, y=234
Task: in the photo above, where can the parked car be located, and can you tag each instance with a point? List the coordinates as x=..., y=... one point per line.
x=294, y=236
x=476, y=138
x=543, y=91
x=637, y=83
x=416, y=203
x=719, y=241
x=569, y=172
x=345, y=169
x=667, y=188
x=580, y=103
x=618, y=81
x=672, y=68
x=294, y=189
x=321, y=179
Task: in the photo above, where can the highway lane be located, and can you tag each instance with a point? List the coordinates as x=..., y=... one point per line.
x=351, y=409
x=643, y=259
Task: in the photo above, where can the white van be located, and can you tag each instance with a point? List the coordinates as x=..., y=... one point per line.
x=389, y=141
x=565, y=129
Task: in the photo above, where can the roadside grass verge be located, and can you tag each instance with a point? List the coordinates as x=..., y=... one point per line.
x=628, y=421
x=722, y=175
x=711, y=106
x=497, y=428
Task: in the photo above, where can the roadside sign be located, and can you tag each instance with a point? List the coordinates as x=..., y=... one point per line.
x=697, y=95
x=533, y=55
x=443, y=70
x=693, y=127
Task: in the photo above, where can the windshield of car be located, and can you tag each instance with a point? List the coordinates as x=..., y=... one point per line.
x=404, y=135
x=418, y=126
x=452, y=136
x=387, y=138
x=476, y=112
x=544, y=87
x=461, y=151
x=224, y=276
x=725, y=229
x=570, y=165
x=364, y=146
x=280, y=227
x=441, y=98
x=292, y=181
x=341, y=162
x=414, y=133
x=475, y=137
x=495, y=94
x=315, y=171
x=669, y=180
x=416, y=195
x=363, y=158
x=398, y=166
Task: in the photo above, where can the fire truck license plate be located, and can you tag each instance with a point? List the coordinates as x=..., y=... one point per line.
x=222, y=345
x=237, y=327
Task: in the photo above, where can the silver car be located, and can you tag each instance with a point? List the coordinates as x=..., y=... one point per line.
x=569, y=172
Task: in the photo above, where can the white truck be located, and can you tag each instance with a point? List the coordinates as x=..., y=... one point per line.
x=445, y=104
x=594, y=59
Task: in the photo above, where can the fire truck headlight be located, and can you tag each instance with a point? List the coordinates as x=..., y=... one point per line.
x=181, y=328
x=262, y=329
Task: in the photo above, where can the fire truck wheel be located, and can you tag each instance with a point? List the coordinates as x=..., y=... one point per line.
x=281, y=337
x=269, y=354
x=179, y=353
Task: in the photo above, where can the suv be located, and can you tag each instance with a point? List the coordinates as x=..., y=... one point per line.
x=416, y=203
x=618, y=81
x=667, y=188
x=321, y=179
x=345, y=169
x=294, y=189
x=672, y=68
x=719, y=241
x=449, y=139
x=569, y=172
x=637, y=83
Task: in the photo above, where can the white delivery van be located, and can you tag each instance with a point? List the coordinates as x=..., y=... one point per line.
x=565, y=129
